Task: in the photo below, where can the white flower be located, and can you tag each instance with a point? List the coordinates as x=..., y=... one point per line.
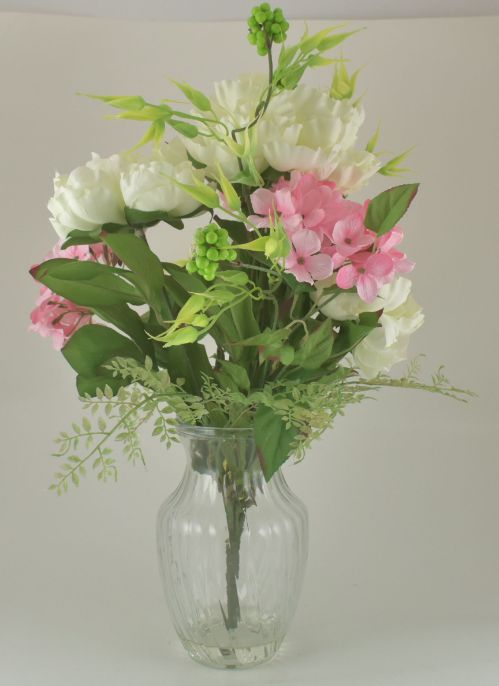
x=355, y=168
x=88, y=197
x=148, y=185
x=234, y=103
x=385, y=346
x=321, y=135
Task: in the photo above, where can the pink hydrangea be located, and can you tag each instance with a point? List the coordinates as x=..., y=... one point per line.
x=56, y=317
x=328, y=234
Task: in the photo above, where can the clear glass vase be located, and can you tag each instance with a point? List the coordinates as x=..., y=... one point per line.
x=232, y=551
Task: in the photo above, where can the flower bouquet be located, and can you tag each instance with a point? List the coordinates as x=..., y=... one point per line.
x=293, y=303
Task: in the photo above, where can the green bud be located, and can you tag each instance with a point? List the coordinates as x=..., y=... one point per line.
x=260, y=16
x=209, y=277
x=279, y=38
x=255, y=11
x=260, y=39
x=275, y=28
x=268, y=26
x=262, y=50
x=211, y=237
x=224, y=254
x=191, y=267
x=232, y=255
x=201, y=250
x=252, y=23
x=221, y=243
x=284, y=25
x=252, y=38
x=200, y=321
x=199, y=237
x=212, y=254
x=265, y=7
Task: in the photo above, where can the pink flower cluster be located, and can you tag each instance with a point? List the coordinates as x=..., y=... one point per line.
x=56, y=317
x=328, y=234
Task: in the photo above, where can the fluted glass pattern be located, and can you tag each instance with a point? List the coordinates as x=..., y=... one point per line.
x=232, y=551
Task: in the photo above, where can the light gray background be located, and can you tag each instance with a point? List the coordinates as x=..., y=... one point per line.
x=402, y=586
x=222, y=10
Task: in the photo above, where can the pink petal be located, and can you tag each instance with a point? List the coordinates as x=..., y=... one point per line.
x=346, y=277
x=313, y=218
x=262, y=201
x=320, y=266
x=306, y=242
x=391, y=239
x=367, y=287
x=260, y=222
x=292, y=223
x=300, y=273
x=379, y=265
x=284, y=202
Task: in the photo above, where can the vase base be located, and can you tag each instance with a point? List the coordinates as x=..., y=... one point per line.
x=246, y=646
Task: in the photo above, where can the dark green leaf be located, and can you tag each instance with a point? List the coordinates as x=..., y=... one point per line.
x=87, y=283
x=94, y=345
x=314, y=350
x=140, y=219
x=140, y=259
x=237, y=373
x=387, y=208
x=273, y=440
x=351, y=333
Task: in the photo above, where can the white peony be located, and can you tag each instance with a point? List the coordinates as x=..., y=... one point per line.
x=88, y=197
x=387, y=345
x=303, y=129
x=324, y=130
x=147, y=185
x=355, y=168
x=234, y=102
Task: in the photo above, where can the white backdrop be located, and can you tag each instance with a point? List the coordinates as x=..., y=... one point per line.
x=403, y=579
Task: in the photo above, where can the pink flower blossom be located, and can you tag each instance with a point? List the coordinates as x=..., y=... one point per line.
x=57, y=317
x=351, y=236
x=303, y=202
x=305, y=260
x=368, y=272
x=386, y=245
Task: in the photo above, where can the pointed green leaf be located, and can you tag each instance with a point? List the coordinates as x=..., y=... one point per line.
x=387, y=208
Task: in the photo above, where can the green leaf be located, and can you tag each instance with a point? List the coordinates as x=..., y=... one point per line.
x=198, y=99
x=140, y=259
x=273, y=440
x=94, y=345
x=258, y=245
x=204, y=194
x=352, y=333
x=387, y=208
x=184, y=128
x=128, y=321
x=189, y=282
x=140, y=219
x=87, y=283
x=315, y=349
x=88, y=385
x=392, y=167
x=77, y=237
x=231, y=196
x=237, y=374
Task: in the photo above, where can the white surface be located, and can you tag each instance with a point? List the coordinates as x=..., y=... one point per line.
x=223, y=10
x=402, y=586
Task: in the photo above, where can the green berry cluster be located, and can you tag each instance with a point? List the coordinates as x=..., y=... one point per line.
x=266, y=26
x=212, y=247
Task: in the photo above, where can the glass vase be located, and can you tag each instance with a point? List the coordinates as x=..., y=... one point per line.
x=232, y=551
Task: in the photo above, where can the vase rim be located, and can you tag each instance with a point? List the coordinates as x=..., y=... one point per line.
x=213, y=431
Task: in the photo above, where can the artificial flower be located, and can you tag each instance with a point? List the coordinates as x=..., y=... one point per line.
x=305, y=261
x=88, y=197
x=149, y=185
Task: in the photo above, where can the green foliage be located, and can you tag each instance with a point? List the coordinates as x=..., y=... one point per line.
x=89, y=284
x=211, y=247
x=387, y=208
